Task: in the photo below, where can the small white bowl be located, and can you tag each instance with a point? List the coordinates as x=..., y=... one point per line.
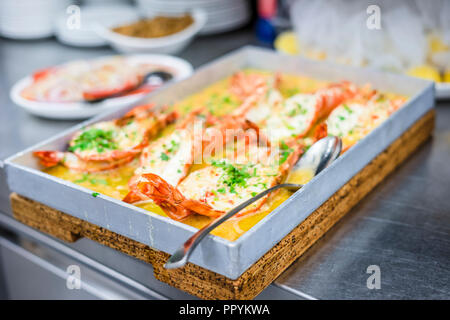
x=167, y=45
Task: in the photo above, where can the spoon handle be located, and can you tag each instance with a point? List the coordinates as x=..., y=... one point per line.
x=181, y=256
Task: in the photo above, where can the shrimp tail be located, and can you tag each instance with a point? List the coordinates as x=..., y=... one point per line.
x=321, y=131
x=332, y=96
x=49, y=158
x=134, y=196
x=169, y=198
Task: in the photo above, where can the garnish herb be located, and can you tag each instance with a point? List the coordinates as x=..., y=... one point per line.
x=174, y=146
x=292, y=91
x=94, y=181
x=164, y=157
x=226, y=99
x=233, y=176
x=298, y=110
x=221, y=190
x=98, y=181
x=285, y=152
x=346, y=107
x=94, y=138
x=83, y=178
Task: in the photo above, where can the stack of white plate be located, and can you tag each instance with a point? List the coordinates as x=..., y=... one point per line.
x=223, y=15
x=25, y=19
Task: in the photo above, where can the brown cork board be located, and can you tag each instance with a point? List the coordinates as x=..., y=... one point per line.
x=210, y=285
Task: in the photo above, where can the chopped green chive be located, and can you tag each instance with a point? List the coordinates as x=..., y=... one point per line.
x=221, y=190
x=233, y=176
x=94, y=139
x=83, y=179
x=346, y=107
x=164, y=157
x=285, y=152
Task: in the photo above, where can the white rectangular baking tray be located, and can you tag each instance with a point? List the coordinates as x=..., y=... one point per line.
x=229, y=258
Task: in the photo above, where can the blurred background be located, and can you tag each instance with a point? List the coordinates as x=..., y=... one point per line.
x=411, y=36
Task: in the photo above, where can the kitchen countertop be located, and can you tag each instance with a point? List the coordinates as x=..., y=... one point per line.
x=403, y=226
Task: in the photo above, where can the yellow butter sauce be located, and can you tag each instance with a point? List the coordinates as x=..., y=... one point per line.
x=300, y=176
x=218, y=100
x=234, y=228
x=114, y=183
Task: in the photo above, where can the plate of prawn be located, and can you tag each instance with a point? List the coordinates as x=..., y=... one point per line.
x=64, y=91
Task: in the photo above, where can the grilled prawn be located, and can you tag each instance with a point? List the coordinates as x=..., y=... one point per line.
x=108, y=144
x=280, y=119
x=171, y=156
x=356, y=118
x=198, y=137
x=296, y=116
x=223, y=184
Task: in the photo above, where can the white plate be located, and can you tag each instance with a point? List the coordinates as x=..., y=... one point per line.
x=443, y=90
x=82, y=110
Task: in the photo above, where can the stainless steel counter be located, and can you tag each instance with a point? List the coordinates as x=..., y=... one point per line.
x=403, y=226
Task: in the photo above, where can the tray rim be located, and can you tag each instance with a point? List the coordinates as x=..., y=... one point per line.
x=231, y=245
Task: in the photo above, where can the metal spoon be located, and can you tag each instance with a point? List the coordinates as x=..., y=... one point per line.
x=154, y=78
x=319, y=156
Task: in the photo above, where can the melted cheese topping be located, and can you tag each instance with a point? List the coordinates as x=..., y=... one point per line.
x=222, y=190
x=265, y=107
x=345, y=119
x=353, y=121
x=280, y=119
x=124, y=137
x=294, y=117
x=168, y=157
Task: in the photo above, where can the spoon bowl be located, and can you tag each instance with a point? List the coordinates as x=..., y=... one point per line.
x=320, y=155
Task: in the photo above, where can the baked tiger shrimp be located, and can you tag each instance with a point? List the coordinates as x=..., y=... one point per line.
x=280, y=118
x=355, y=118
x=170, y=156
x=108, y=144
x=297, y=115
x=222, y=184
x=197, y=138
